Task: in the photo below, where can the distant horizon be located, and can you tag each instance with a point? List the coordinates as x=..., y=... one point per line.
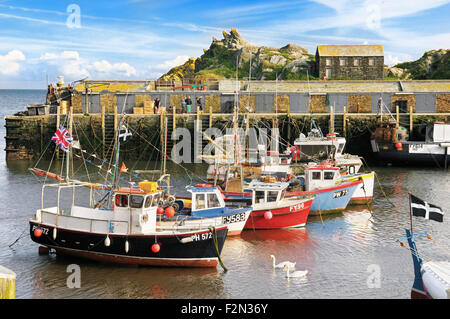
x=141, y=39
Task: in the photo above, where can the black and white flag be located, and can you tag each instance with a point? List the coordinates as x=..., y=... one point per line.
x=423, y=209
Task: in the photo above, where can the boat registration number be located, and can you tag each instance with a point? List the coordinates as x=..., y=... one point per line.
x=340, y=193
x=233, y=218
x=296, y=207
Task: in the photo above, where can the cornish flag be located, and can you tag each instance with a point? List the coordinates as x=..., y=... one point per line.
x=423, y=209
x=62, y=138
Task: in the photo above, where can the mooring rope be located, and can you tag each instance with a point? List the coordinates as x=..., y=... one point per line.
x=214, y=236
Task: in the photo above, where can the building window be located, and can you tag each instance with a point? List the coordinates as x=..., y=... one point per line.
x=402, y=106
x=356, y=62
x=342, y=62
x=328, y=73
x=371, y=61
x=328, y=61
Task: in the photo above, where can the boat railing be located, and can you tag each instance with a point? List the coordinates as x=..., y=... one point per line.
x=83, y=224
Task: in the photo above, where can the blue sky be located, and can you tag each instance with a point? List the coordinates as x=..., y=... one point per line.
x=140, y=39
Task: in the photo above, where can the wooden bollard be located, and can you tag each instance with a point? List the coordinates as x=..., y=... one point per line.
x=7, y=284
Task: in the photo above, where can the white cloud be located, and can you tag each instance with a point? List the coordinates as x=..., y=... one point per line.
x=104, y=66
x=167, y=65
x=10, y=63
x=68, y=63
x=71, y=65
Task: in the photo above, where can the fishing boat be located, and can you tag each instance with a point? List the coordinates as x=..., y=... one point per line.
x=126, y=234
x=271, y=210
x=390, y=144
x=332, y=193
x=122, y=226
x=205, y=207
x=317, y=147
x=431, y=278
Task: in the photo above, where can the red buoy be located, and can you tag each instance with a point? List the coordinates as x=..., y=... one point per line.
x=37, y=232
x=170, y=212
x=156, y=248
x=398, y=145
x=160, y=210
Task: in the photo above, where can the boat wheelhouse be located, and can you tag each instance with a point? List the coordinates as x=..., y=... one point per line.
x=204, y=208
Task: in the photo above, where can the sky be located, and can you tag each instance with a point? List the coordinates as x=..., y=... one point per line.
x=143, y=39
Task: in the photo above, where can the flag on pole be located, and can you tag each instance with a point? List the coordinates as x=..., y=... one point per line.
x=123, y=169
x=421, y=208
x=62, y=138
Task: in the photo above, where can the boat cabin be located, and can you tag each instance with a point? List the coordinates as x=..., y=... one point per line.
x=320, y=176
x=204, y=199
x=323, y=147
x=133, y=211
x=267, y=192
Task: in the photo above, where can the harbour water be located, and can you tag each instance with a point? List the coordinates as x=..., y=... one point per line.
x=349, y=255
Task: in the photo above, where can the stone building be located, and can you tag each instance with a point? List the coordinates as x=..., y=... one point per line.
x=359, y=62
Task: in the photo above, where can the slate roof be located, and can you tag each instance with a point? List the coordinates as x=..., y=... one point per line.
x=350, y=50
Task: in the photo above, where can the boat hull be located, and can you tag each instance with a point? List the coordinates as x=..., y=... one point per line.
x=292, y=214
x=234, y=219
x=364, y=192
x=329, y=200
x=198, y=252
x=411, y=153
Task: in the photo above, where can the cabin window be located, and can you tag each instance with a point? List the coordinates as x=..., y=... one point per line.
x=121, y=200
x=316, y=175
x=156, y=199
x=213, y=201
x=199, y=201
x=272, y=196
x=283, y=192
x=148, y=201
x=136, y=201
x=328, y=175
x=340, y=148
x=259, y=196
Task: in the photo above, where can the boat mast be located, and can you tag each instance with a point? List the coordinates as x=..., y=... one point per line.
x=69, y=151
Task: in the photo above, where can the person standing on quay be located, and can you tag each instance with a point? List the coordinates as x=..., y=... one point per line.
x=156, y=106
x=183, y=106
x=199, y=105
x=188, y=103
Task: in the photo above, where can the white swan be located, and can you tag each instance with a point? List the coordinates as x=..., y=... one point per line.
x=289, y=264
x=295, y=274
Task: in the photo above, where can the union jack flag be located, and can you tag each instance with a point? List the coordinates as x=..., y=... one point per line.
x=62, y=138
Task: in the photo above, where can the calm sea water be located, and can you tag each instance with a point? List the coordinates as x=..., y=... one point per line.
x=341, y=252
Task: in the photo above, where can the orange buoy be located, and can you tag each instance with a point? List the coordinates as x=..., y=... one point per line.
x=156, y=248
x=169, y=212
x=37, y=232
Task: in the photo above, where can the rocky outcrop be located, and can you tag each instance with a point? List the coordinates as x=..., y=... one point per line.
x=235, y=54
x=434, y=64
